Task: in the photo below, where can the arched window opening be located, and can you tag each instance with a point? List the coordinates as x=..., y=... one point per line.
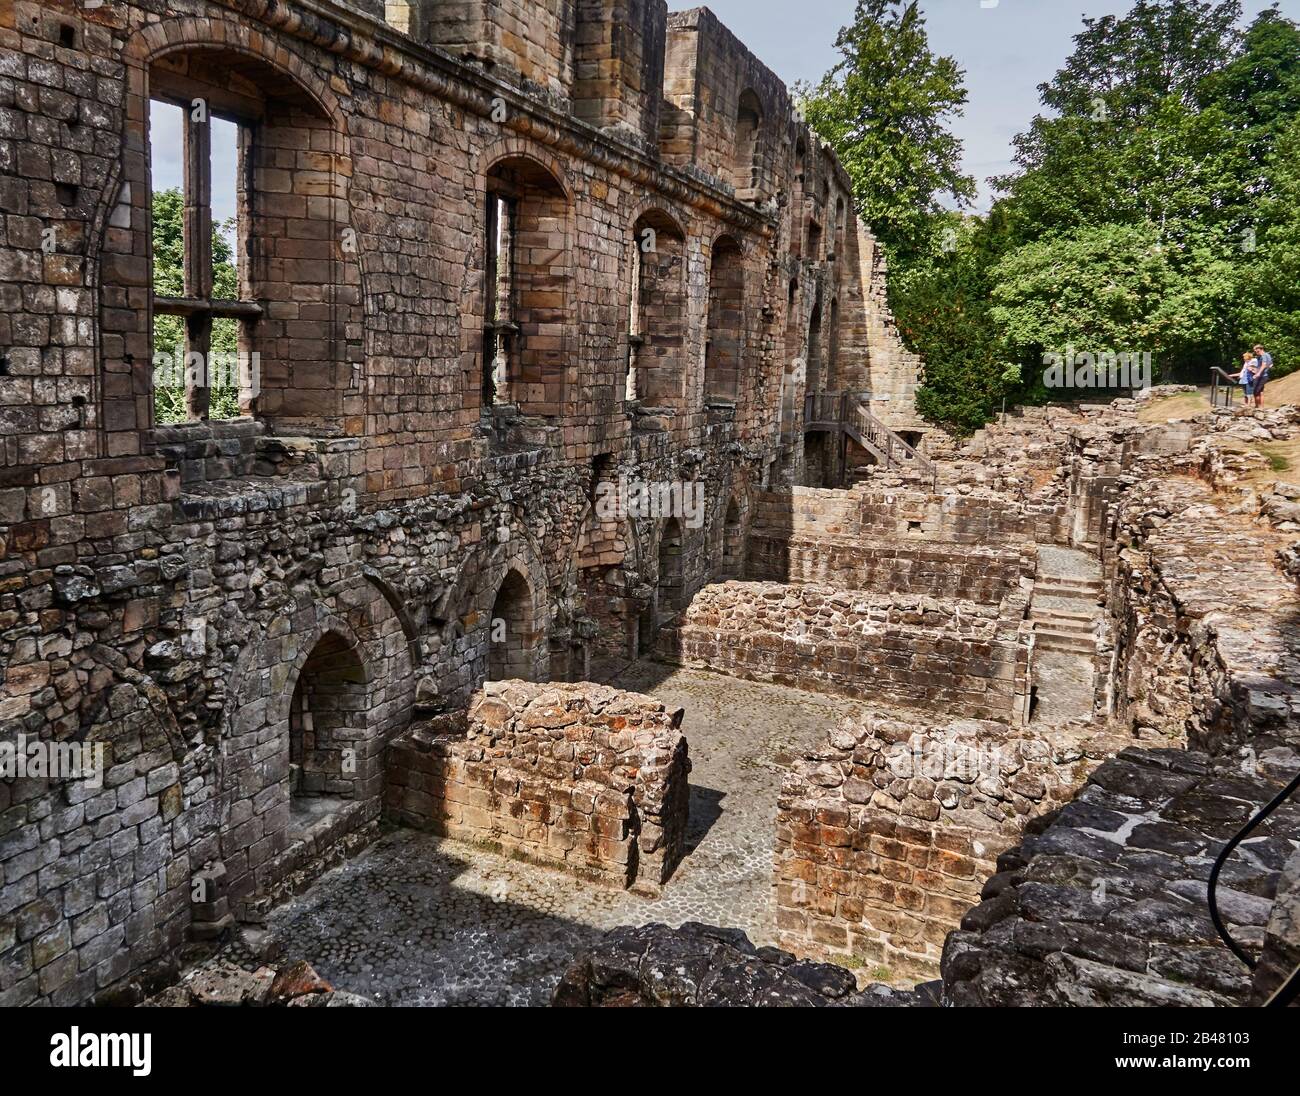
x=815, y=379
x=670, y=568
x=254, y=303
x=814, y=239
x=791, y=374
x=797, y=200
x=327, y=722
x=723, y=353
x=747, y=157
x=513, y=633
x=526, y=273
x=733, y=554
x=657, y=323
x=833, y=352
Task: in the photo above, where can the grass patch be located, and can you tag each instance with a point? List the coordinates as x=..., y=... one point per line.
x=1277, y=460
x=1183, y=405
x=1282, y=457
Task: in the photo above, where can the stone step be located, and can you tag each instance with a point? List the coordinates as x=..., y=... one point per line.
x=1072, y=581
x=1050, y=615
x=1057, y=587
x=1047, y=621
x=1049, y=639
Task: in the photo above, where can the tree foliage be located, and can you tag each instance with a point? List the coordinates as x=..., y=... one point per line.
x=886, y=107
x=1152, y=209
x=169, y=281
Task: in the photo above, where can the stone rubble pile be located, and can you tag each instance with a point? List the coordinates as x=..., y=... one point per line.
x=702, y=966
x=219, y=983
x=1106, y=903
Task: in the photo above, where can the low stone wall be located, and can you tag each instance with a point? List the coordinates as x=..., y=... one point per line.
x=870, y=514
x=885, y=836
x=982, y=575
x=961, y=657
x=581, y=777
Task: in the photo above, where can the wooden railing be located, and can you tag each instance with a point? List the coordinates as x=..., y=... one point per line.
x=826, y=408
x=898, y=454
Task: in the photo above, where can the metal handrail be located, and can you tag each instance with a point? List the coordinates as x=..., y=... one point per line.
x=848, y=410
x=1226, y=383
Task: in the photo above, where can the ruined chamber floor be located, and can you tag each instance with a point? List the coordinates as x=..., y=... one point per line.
x=420, y=920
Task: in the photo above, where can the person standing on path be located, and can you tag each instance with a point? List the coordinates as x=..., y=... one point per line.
x=1248, y=376
x=1265, y=360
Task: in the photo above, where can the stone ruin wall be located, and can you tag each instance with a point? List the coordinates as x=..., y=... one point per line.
x=1201, y=611
x=165, y=590
x=580, y=777
x=867, y=876
x=954, y=656
x=886, y=835
x=819, y=539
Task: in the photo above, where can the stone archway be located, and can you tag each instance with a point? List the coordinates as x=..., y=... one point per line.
x=515, y=635
x=327, y=721
x=670, y=568
x=467, y=610
x=318, y=693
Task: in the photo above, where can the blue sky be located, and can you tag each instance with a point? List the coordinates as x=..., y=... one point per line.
x=1006, y=47
x=1006, y=50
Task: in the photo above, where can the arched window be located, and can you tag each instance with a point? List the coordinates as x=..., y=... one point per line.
x=327, y=721
x=670, y=567
x=815, y=379
x=657, y=323
x=526, y=312
x=723, y=353
x=747, y=153
x=513, y=635
x=832, y=357
x=733, y=542
x=255, y=289
x=797, y=199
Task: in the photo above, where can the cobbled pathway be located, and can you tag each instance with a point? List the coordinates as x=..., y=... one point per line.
x=419, y=920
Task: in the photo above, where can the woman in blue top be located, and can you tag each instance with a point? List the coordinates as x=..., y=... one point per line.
x=1248, y=376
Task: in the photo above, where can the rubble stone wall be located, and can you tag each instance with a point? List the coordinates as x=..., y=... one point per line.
x=1105, y=903
x=983, y=575
x=368, y=500
x=956, y=656
x=887, y=834
x=871, y=513
x=582, y=777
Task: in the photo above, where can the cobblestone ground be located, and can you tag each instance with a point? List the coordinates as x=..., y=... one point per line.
x=418, y=920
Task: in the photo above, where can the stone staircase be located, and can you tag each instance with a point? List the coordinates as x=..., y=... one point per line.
x=848, y=412
x=1066, y=612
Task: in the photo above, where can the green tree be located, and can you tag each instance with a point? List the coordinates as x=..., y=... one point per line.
x=1269, y=283
x=169, y=281
x=1123, y=139
x=942, y=305
x=886, y=109
x=1111, y=288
